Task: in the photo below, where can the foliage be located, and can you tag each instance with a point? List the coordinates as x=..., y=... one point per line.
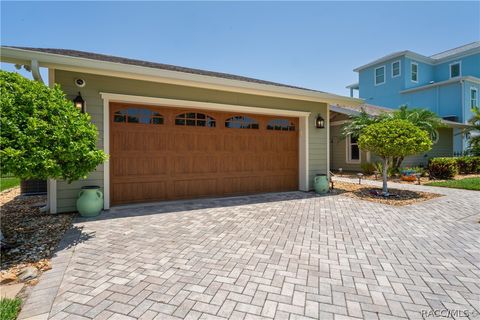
x=467, y=183
x=421, y=118
x=390, y=170
x=9, y=308
x=442, y=168
x=43, y=135
x=474, y=140
x=394, y=138
x=468, y=164
x=357, y=123
x=368, y=167
x=391, y=138
x=7, y=183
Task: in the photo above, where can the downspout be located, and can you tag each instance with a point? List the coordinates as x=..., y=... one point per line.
x=35, y=67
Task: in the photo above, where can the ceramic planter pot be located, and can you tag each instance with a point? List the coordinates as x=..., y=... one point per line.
x=90, y=201
x=320, y=183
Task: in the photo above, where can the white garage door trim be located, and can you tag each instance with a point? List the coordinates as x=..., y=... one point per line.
x=115, y=97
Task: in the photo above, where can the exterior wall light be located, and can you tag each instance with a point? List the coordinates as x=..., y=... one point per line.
x=79, y=103
x=320, y=122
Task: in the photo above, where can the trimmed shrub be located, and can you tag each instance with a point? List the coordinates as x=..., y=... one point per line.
x=468, y=164
x=442, y=168
x=368, y=167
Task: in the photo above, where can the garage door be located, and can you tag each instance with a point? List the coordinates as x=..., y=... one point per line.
x=165, y=153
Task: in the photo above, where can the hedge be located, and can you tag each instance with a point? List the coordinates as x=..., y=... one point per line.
x=447, y=168
x=468, y=164
x=442, y=168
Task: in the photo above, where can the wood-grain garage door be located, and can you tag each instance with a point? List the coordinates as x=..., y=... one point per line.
x=164, y=153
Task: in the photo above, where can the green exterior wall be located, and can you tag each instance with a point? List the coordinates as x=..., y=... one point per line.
x=443, y=148
x=67, y=193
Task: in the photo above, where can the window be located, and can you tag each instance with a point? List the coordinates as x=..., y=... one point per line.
x=194, y=119
x=241, y=122
x=473, y=98
x=414, y=69
x=353, y=151
x=379, y=75
x=455, y=70
x=280, y=125
x=137, y=115
x=396, y=69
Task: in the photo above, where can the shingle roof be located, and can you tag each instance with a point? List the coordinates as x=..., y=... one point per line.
x=457, y=50
x=156, y=65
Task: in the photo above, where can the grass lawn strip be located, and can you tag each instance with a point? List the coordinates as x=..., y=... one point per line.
x=7, y=183
x=9, y=308
x=467, y=183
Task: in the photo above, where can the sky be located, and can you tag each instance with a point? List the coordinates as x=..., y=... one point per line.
x=309, y=44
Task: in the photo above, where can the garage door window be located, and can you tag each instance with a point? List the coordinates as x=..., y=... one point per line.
x=280, y=125
x=136, y=115
x=241, y=122
x=194, y=119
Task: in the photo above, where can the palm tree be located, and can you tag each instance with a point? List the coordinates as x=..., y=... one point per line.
x=422, y=118
x=474, y=140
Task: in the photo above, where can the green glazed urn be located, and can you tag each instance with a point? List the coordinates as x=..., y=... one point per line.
x=90, y=201
x=320, y=183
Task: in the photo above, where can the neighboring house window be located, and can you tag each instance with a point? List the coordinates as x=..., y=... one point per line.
x=379, y=75
x=136, y=115
x=473, y=98
x=241, y=122
x=194, y=119
x=396, y=69
x=353, y=151
x=280, y=125
x=455, y=70
x=414, y=75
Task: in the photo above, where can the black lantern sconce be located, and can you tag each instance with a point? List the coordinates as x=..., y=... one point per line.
x=320, y=122
x=79, y=103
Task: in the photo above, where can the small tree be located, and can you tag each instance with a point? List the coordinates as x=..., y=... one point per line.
x=421, y=118
x=42, y=134
x=392, y=138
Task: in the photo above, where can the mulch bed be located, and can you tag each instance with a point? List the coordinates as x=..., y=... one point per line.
x=423, y=180
x=33, y=234
x=365, y=192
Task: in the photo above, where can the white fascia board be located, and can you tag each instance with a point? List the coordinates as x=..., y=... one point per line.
x=442, y=83
x=76, y=64
x=115, y=97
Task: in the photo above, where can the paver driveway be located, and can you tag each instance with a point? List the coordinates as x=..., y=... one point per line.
x=283, y=256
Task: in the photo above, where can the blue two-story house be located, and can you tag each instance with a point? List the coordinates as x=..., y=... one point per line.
x=447, y=83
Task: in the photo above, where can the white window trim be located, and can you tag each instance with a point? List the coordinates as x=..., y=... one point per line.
x=399, y=69
x=348, y=153
x=459, y=69
x=305, y=122
x=375, y=75
x=476, y=97
x=411, y=72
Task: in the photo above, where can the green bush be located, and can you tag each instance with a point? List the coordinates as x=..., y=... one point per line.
x=468, y=164
x=390, y=170
x=9, y=308
x=43, y=135
x=368, y=167
x=442, y=168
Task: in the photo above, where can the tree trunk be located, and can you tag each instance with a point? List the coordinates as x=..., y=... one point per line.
x=385, y=176
x=396, y=163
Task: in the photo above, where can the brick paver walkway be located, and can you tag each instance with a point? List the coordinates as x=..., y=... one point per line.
x=282, y=256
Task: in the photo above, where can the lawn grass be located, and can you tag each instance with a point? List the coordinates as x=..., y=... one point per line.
x=467, y=183
x=7, y=183
x=9, y=308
